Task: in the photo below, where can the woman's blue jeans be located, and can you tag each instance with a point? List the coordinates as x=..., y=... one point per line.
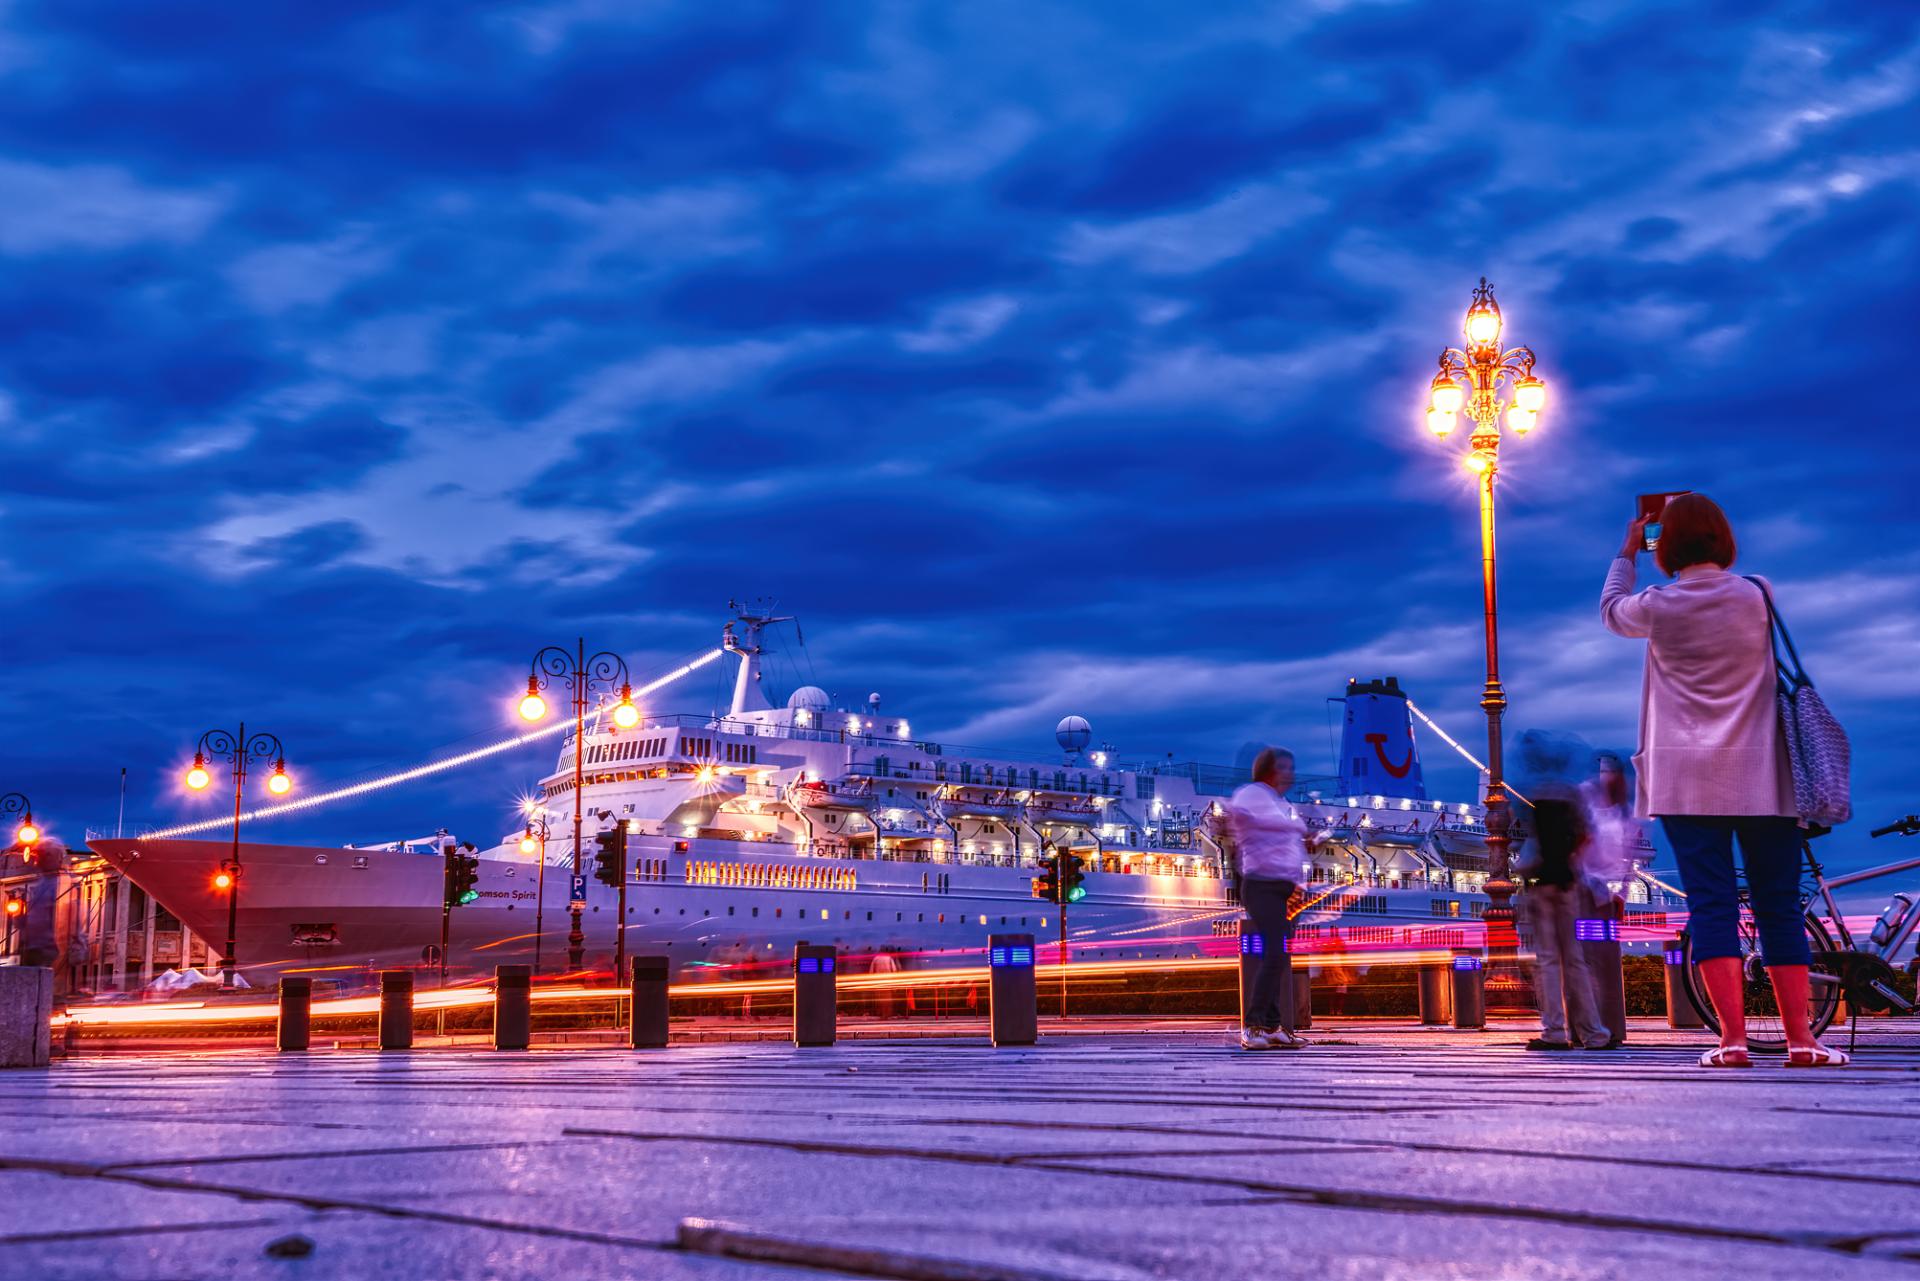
x=1770, y=852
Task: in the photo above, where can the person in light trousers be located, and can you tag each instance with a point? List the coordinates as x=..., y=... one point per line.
x=1712, y=765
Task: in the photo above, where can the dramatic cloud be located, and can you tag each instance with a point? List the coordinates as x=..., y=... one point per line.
x=1043, y=358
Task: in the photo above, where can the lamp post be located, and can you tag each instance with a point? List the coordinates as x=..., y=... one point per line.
x=581, y=674
x=1474, y=378
x=27, y=833
x=236, y=747
x=536, y=840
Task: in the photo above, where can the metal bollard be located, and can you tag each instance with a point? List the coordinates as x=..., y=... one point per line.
x=1681, y=1011
x=1302, y=976
x=1012, y=1003
x=296, y=1013
x=648, y=1021
x=512, y=1007
x=1435, y=987
x=815, y=1013
x=396, y=1009
x=1469, y=991
x=1601, y=937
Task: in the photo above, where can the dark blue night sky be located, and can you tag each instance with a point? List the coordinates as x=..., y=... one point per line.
x=1043, y=358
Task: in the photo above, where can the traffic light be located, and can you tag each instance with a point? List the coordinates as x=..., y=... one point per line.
x=1072, y=872
x=1046, y=886
x=462, y=873
x=610, y=864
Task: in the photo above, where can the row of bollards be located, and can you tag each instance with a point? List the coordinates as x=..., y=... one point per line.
x=1450, y=992
x=1014, y=1001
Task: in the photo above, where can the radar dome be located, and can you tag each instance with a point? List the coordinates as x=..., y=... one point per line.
x=810, y=697
x=1073, y=733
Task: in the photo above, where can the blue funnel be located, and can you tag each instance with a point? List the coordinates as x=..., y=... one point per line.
x=1378, y=756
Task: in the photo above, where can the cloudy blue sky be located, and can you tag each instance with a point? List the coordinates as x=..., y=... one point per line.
x=1043, y=358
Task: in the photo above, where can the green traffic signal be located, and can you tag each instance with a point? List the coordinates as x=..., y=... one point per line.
x=466, y=898
x=1077, y=893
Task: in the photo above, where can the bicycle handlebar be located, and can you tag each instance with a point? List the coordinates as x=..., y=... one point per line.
x=1908, y=826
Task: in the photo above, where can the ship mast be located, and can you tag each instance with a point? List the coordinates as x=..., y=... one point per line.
x=751, y=621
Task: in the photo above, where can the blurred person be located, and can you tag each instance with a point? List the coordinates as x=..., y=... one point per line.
x=1562, y=978
x=39, y=940
x=1605, y=863
x=1272, y=844
x=1712, y=766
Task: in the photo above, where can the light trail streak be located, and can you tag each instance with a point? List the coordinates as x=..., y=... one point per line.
x=417, y=772
x=1451, y=742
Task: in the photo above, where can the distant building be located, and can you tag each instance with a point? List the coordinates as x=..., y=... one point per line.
x=112, y=936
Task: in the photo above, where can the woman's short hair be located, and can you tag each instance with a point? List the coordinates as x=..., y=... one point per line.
x=1269, y=760
x=1693, y=531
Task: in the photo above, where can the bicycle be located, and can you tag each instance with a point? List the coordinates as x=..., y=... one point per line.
x=1865, y=977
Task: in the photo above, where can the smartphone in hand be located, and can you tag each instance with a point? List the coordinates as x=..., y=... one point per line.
x=1652, y=507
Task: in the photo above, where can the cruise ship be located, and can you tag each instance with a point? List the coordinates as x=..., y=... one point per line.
x=768, y=826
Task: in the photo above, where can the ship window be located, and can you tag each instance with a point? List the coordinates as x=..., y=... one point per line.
x=869, y=916
x=899, y=916
x=729, y=909
x=824, y=914
x=943, y=918
x=756, y=911
x=922, y=916
x=779, y=912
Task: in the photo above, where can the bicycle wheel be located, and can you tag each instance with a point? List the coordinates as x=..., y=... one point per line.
x=1765, y=1031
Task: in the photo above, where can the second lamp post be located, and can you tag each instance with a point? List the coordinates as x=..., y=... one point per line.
x=1472, y=378
x=582, y=675
x=220, y=744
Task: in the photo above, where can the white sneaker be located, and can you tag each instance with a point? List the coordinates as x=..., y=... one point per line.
x=1252, y=1040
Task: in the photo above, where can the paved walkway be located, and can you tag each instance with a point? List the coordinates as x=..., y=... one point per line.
x=1397, y=1154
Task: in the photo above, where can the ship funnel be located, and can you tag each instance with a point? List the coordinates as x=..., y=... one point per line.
x=1378, y=756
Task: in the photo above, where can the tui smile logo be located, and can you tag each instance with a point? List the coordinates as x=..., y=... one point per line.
x=1379, y=742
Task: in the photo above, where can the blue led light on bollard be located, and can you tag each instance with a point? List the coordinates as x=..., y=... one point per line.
x=1012, y=999
x=1466, y=963
x=1597, y=931
x=1675, y=956
x=1253, y=944
x=816, y=965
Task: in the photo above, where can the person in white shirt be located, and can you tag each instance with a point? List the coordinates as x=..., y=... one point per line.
x=1272, y=843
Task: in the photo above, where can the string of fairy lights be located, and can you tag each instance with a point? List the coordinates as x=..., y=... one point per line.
x=417, y=772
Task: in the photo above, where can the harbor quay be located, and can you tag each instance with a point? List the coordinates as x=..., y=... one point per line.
x=1110, y=1149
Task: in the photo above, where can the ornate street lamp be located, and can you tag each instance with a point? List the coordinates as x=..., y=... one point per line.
x=1473, y=379
x=236, y=747
x=535, y=842
x=582, y=674
x=27, y=833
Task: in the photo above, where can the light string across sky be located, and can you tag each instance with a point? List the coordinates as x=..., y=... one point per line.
x=417, y=772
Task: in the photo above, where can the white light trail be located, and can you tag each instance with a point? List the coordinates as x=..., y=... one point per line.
x=417, y=772
x=1449, y=739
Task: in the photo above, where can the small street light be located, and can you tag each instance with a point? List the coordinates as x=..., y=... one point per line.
x=27, y=834
x=237, y=748
x=582, y=674
x=1472, y=379
x=535, y=842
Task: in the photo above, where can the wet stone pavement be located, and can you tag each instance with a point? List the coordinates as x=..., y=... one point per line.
x=1379, y=1153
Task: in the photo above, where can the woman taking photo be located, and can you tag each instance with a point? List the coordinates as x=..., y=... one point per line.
x=1712, y=767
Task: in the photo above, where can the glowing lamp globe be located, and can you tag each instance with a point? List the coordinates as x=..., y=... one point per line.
x=27, y=833
x=197, y=777
x=1530, y=394
x=704, y=774
x=1447, y=395
x=625, y=714
x=1520, y=420
x=1477, y=462
x=1439, y=422
x=15, y=907
x=223, y=880
x=532, y=707
x=528, y=845
x=278, y=783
